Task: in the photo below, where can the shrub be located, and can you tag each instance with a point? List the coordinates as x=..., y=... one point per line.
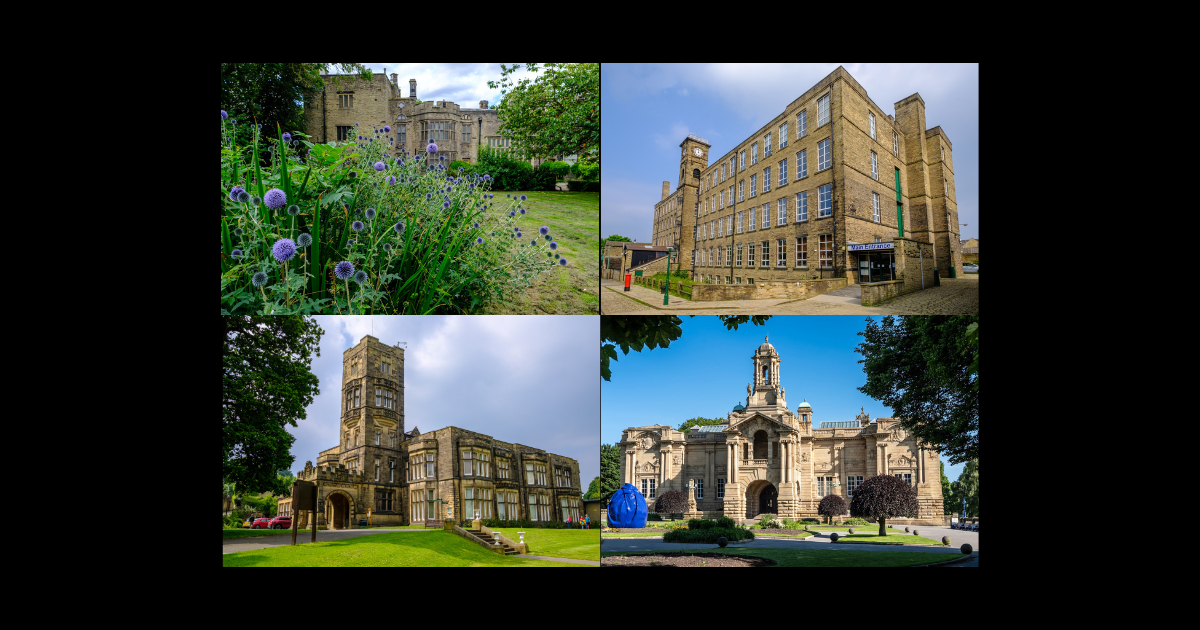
x=726, y=523
x=707, y=535
x=586, y=172
x=654, y=517
x=701, y=523
x=966, y=549
x=457, y=164
x=855, y=521
x=768, y=521
x=882, y=497
x=670, y=502
x=794, y=525
x=811, y=520
x=832, y=505
x=578, y=186
x=557, y=170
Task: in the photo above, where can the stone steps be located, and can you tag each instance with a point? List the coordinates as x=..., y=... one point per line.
x=487, y=540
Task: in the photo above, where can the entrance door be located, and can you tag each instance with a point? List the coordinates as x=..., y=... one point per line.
x=864, y=268
x=768, y=501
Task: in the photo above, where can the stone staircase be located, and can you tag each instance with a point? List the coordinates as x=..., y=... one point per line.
x=487, y=540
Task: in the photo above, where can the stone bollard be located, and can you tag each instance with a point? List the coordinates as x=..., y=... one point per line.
x=966, y=549
x=833, y=537
x=945, y=540
x=851, y=530
x=722, y=541
x=905, y=529
x=916, y=533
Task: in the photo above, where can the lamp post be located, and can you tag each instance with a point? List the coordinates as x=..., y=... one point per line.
x=667, y=287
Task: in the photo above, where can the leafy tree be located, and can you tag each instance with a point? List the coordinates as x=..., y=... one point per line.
x=967, y=487
x=947, y=493
x=651, y=331
x=698, y=422
x=618, y=237
x=921, y=367
x=593, y=491
x=610, y=470
x=266, y=382
x=883, y=497
x=556, y=113
x=670, y=502
x=831, y=505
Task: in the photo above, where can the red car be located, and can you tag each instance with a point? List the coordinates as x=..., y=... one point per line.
x=260, y=523
x=280, y=522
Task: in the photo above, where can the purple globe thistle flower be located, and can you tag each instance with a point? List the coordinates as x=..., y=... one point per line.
x=233, y=194
x=491, y=195
x=284, y=249
x=287, y=137
x=553, y=244
x=304, y=239
x=387, y=128
x=446, y=204
x=399, y=227
x=343, y=269
x=275, y=198
x=293, y=210
x=360, y=276
x=357, y=226
x=519, y=235
x=523, y=197
x=487, y=177
x=428, y=196
x=512, y=213
x=370, y=213
x=379, y=166
x=475, y=225
x=237, y=253
x=472, y=184
x=391, y=180
x=479, y=240
x=507, y=195
x=259, y=279
x=353, y=174
x=432, y=148
x=522, y=210
x=237, y=231
x=533, y=242
x=562, y=262
x=255, y=201
x=543, y=230
x=224, y=114
x=387, y=247
x=350, y=242
x=360, y=137
x=243, y=197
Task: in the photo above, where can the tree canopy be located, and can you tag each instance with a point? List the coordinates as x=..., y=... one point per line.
x=967, y=487
x=556, y=113
x=947, y=493
x=618, y=237
x=593, y=491
x=266, y=383
x=831, y=505
x=882, y=497
x=634, y=332
x=670, y=502
x=698, y=422
x=610, y=470
x=926, y=369
x=273, y=93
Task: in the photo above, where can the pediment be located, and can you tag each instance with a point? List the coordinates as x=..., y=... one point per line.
x=758, y=420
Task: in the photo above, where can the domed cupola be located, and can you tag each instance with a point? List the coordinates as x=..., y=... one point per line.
x=766, y=348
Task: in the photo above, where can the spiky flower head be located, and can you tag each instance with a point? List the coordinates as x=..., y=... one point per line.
x=355, y=124
x=523, y=197
x=479, y=240
x=293, y=210
x=233, y=194
x=508, y=195
x=399, y=227
x=543, y=230
x=360, y=276
x=512, y=213
x=562, y=261
x=287, y=137
x=533, y=242
x=224, y=114
x=370, y=213
x=237, y=231
x=553, y=244
x=475, y=225
x=304, y=240
x=432, y=148
x=522, y=210
x=343, y=270
x=556, y=255
x=259, y=279
x=392, y=180
x=357, y=226
x=284, y=249
x=379, y=166
x=487, y=177
x=353, y=174
x=387, y=247
x=519, y=235
x=275, y=198
x=446, y=204
x=255, y=201
x=387, y=128
x=350, y=242
x=548, y=237
x=243, y=197
x=237, y=253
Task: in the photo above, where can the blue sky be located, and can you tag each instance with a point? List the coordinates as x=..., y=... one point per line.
x=648, y=109
x=704, y=373
x=462, y=83
x=521, y=379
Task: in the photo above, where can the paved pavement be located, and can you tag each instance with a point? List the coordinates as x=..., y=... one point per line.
x=820, y=542
x=955, y=296
x=233, y=545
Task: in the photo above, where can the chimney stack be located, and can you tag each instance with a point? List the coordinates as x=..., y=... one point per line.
x=412, y=88
x=667, y=190
x=482, y=104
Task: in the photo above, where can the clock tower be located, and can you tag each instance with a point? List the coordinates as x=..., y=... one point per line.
x=693, y=161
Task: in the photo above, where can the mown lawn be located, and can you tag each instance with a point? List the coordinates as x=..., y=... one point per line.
x=574, y=222
x=435, y=549
x=892, y=539
x=823, y=558
x=858, y=529
x=577, y=544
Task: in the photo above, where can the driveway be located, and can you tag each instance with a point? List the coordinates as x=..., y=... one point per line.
x=821, y=541
x=234, y=545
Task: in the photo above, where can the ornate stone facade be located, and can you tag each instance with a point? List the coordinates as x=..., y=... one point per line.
x=766, y=458
x=405, y=477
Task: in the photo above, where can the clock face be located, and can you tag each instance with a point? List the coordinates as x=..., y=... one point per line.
x=696, y=150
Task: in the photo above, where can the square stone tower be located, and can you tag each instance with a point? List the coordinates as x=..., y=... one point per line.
x=372, y=422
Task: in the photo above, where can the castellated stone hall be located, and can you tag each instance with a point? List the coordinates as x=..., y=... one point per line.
x=767, y=459
x=409, y=477
x=832, y=187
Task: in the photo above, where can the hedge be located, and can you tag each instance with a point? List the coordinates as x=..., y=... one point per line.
x=707, y=535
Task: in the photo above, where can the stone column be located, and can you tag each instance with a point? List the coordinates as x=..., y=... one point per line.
x=883, y=458
x=783, y=451
x=921, y=465
x=710, y=481
x=770, y=443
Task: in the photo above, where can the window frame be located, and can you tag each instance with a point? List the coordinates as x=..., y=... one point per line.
x=781, y=211
x=801, y=123
x=801, y=206
x=824, y=157
x=802, y=251
x=875, y=206
x=783, y=172
x=767, y=179
x=781, y=255
x=874, y=166
x=871, y=119
x=783, y=136
x=753, y=154
x=764, y=260
x=822, y=241
x=825, y=201
x=823, y=113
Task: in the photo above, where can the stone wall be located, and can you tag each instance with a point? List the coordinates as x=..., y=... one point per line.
x=874, y=293
x=768, y=289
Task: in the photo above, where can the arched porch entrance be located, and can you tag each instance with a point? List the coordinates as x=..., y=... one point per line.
x=337, y=510
x=761, y=498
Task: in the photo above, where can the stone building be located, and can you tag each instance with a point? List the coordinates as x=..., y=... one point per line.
x=458, y=131
x=826, y=189
x=766, y=458
x=409, y=477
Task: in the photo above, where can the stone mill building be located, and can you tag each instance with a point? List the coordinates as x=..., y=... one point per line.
x=767, y=458
x=407, y=477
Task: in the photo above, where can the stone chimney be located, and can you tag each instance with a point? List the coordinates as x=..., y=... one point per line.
x=412, y=89
x=483, y=105
x=395, y=78
x=667, y=190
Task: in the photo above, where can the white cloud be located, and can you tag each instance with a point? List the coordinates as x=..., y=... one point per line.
x=671, y=140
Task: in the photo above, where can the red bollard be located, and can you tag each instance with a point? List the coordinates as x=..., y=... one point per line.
x=627, y=279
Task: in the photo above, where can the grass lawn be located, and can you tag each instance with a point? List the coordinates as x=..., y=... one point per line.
x=902, y=539
x=254, y=533
x=577, y=544
x=435, y=549
x=574, y=222
x=858, y=529
x=633, y=535
x=821, y=558
x=675, y=282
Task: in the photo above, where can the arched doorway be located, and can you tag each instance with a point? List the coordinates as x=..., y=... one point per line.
x=761, y=498
x=338, y=510
x=760, y=444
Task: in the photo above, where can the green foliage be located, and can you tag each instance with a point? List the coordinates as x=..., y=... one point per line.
x=610, y=471
x=670, y=502
x=967, y=487
x=557, y=170
x=585, y=171
x=855, y=521
x=726, y=523
x=558, y=113
x=496, y=522
x=698, y=422
x=701, y=523
x=947, y=493
x=768, y=521
x=925, y=368
x=618, y=237
x=593, y=491
x=708, y=535
x=457, y=164
x=578, y=186
x=652, y=331
x=654, y=517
